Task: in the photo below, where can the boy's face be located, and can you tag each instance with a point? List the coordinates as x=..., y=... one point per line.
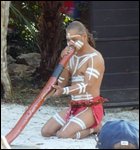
x=74, y=39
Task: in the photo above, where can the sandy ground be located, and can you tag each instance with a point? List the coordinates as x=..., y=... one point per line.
x=31, y=136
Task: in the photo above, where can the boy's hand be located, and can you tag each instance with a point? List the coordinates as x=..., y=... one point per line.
x=59, y=90
x=65, y=51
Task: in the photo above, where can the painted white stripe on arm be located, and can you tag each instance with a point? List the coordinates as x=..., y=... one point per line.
x=67, y=90
x=61, y=78
x=74, y=89
x=64, y=91
x=96, y=71
x=92, y=74
x=93, y=70
x=59, y=81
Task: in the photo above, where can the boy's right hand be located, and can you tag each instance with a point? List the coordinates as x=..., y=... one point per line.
x=65, y=51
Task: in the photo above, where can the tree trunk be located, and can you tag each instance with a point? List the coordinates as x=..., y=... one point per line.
x=5, y=79
x=51, y=36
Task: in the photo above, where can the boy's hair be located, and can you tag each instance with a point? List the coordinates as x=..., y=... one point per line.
x=80, y=28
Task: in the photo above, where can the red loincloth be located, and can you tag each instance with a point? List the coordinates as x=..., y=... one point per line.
x=96, y=105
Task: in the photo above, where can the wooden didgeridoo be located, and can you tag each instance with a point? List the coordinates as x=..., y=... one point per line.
x=40, y=98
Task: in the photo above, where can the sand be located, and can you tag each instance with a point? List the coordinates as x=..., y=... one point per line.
x=30, y=137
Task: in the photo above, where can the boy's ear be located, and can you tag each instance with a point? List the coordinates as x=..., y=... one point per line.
x=85, y=36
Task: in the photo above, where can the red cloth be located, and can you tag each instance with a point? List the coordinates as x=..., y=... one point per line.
x=67, y=7
x=98, y=112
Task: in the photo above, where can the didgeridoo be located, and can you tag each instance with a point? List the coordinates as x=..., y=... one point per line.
x=38, y=101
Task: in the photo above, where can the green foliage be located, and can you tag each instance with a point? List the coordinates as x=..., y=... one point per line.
x=23, y=21
x=67, y=19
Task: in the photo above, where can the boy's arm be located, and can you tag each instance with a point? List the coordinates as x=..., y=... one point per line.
x=63, y=80
x=94, y=71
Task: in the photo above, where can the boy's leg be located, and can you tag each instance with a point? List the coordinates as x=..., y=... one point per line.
x=84, y=133
x=54, y=124
x=78, y=126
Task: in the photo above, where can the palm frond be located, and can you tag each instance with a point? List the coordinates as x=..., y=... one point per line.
x=32, y=29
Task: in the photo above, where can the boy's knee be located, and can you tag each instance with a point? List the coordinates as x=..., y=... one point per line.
x=45, y=132
x=62, y=134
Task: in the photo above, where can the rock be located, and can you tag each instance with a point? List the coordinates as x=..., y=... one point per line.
x=20, y=70
x=10, y=59
x=31, y=59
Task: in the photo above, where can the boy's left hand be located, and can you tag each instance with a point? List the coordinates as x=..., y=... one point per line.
x=59, y=90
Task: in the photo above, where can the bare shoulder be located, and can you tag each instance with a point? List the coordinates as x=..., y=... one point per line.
x=98, y=59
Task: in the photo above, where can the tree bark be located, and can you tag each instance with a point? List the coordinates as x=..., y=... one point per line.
x=5, y=79
x=51, y=36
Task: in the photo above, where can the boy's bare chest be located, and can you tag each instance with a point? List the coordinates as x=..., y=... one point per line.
x=79, y=66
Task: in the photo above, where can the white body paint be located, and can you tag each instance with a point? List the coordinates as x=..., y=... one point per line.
x=75, y=63
x=59, y=119
x=79, y=86
x=60, y=79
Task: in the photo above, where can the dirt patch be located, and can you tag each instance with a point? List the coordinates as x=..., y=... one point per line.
x=25, y=91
